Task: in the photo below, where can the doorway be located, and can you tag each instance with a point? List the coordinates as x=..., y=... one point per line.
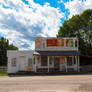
x=56, y=63
x=71, y=63
x=22, y=63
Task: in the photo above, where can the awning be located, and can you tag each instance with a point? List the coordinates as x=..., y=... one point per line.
x=36, y=53
x=59, y=53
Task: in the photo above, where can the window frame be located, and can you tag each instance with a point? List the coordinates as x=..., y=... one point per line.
x=30, y=62
x=70, y=64
x=46, y=59
x=14, y=62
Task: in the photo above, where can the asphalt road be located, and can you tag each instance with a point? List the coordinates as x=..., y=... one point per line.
x=63, y=83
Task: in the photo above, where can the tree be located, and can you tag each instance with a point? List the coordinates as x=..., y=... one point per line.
x=4, y=46
x=79, y=26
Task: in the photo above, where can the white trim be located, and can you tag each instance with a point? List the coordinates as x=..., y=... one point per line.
x=35, y=63
x=66, y=63
x=78, y=65
x=48, y=63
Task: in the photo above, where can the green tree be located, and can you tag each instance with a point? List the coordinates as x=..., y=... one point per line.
x=4, y=46
x=79, y=26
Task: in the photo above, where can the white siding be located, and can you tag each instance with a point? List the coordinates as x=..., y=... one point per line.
x=21, y=60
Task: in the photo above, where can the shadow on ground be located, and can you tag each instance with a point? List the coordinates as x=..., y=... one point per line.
x=20, y=74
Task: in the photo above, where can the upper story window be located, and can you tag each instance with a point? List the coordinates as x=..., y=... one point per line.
x=76, y=43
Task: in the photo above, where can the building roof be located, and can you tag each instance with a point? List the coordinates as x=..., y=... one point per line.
x=58, y=53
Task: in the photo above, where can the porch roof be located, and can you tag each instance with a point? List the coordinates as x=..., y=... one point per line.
x=59, y=53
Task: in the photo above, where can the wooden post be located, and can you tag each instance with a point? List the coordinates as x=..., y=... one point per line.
x=35, y=63
x=48, y=63
x=66, y=63
x=78, y=65
x=73, y=61
x=77, y=62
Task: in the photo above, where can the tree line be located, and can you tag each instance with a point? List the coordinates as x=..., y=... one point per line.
x=79, y=26
x=4, y=46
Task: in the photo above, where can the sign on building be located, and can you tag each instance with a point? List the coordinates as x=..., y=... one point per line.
x=56, y=44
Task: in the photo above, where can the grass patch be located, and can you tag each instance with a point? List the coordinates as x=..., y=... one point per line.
x=3, y=74
x=3, y=66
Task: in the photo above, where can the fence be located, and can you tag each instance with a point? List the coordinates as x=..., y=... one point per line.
x=87, y=68
x=3, y=69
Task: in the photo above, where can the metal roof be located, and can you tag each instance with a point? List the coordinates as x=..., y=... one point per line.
x=59, y=53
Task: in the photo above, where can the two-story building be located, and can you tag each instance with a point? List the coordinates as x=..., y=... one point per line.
x=50, y=55
x=56, y=54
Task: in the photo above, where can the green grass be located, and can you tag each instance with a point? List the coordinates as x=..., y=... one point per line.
x=3, y=66
x=3, y=74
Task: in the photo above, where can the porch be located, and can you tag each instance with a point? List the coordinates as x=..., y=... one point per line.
x=56, y=61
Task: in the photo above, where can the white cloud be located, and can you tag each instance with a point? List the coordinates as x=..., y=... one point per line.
x=78, y=6
x=21, y=24
x=88, y=4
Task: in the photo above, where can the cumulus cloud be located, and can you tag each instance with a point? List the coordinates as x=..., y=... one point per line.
x=78, y=6
x=21, y=23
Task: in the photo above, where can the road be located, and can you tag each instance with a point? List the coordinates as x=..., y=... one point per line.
x=62, y=83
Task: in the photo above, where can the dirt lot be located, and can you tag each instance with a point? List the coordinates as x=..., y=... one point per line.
x=63, y=83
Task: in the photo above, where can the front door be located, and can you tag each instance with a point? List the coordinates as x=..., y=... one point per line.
x=71, y=63
x=22, y=66
x=56, y=63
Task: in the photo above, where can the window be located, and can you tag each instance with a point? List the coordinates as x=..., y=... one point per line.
x=50, y=60
x=62, y=59
x=30, y=62
x=69, y=60
x=74, y=60
x=34, y=59
x=44, y=61
x=43, y=43
x=76, y=43
x=13, y=62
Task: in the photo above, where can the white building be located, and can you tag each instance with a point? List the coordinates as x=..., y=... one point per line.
x=50, y=55
x=20, y=61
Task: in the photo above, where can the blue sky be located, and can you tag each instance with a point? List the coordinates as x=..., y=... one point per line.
x=21, y=21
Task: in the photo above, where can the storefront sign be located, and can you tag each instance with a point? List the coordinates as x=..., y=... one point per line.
x=38, y=43
x=56, y=44
x=28, y=68
x=59, y=42
x=72, y=43
x=51, y=42
x=67, y=42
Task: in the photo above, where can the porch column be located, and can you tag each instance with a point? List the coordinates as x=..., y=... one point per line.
x=48, y=63
x=78, y=65
x=35, y=63
x=66, y=63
